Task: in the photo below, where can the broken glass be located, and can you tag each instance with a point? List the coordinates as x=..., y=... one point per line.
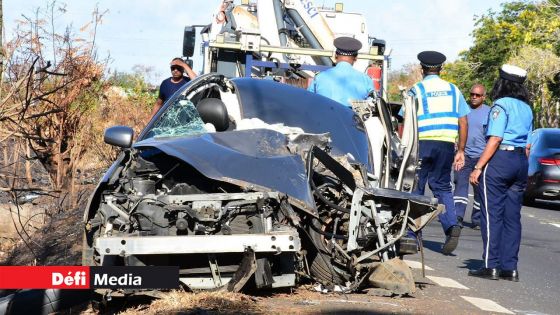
x=180, y=119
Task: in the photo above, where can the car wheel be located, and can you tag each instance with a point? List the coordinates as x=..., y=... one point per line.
x=528, y=200
x=322, y=266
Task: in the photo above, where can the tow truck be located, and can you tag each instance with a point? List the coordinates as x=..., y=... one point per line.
x=286, y=40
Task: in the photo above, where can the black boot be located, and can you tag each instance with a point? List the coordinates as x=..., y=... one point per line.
x=486, y=273
x=451, y=239
x=511, y=275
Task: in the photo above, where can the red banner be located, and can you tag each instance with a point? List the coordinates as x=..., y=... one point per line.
x=44, y=277
x=95, y=277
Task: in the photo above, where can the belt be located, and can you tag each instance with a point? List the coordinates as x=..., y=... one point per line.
x=505, y=147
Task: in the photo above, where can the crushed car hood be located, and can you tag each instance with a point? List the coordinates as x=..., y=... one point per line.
x=254, y=159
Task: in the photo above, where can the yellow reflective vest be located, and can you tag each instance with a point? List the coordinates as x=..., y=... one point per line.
x=438, y=109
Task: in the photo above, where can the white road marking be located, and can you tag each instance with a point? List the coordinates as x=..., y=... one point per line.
x=416, y=265
x=447, y=282
x=487, y=305
x=530, y=215
x=555, y=224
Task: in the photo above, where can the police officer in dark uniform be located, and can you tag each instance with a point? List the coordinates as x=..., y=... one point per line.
x=343, y=83
x=501, y=173
x=442, y=116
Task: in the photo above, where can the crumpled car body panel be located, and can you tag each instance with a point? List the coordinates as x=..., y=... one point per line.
x=312, y=112
x=246, y=158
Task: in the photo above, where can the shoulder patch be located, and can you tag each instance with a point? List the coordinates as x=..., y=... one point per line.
x=495, y=112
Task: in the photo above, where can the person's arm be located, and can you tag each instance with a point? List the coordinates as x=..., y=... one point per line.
x=190, y=73
x=459, y=160
x=463, y=132
x=157, y=107
x=311, y=87
x=491, y=148
x=464, y=110
x=529, y=141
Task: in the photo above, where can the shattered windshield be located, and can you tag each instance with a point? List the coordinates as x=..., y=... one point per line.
x=180, y=119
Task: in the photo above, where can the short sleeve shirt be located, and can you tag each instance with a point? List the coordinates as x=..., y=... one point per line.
x=476, y=139
x=512, y=120
x=342, y=83
x=168, y=88
x=464, y=108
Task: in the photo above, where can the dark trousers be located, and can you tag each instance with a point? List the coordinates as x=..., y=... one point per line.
x=502, y=184
x=437, y=159
x=461, y=193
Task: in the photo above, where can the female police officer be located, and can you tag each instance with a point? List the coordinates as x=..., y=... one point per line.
x=502, y=174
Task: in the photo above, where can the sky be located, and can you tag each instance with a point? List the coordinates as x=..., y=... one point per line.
x=150, y=32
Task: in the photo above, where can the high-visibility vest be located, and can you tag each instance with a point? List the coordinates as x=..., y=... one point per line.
x=438, y=110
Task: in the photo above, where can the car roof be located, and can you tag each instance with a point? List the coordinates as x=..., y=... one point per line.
x=546, y=141
x=548, y=130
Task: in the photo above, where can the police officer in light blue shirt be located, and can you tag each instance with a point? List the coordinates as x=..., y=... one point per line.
x=476, y=142
x=501, y=173
x=343, y=83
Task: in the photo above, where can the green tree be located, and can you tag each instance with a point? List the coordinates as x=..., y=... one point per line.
x=521, y=33
x=543, y=66
x=405, y=77
x=135, y=85
x=463, y=74
x=498, y=36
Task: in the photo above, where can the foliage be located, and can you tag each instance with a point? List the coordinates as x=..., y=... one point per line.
x=462, y=74
x=405, y=77
x=114, y=109
x=500, y=35
x=134, y=86
x=524, y=33
x=53, y=80
x=55, y=103
x=543, y=67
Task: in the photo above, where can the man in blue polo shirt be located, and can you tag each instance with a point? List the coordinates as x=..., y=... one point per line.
x=476, y=141
x=343, y=83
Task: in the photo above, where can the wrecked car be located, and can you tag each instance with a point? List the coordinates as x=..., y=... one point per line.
x=246, y=182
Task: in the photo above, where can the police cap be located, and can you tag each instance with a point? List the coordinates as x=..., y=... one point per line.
x=513, y=73
x=347, y=46
x=431, y=59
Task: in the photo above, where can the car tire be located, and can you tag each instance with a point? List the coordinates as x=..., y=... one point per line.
x=528, y=201
x=319, y=259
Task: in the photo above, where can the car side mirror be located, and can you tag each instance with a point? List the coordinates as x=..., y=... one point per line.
x=120, y=136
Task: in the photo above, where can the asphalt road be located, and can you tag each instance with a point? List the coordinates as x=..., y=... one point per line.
x=538, y=291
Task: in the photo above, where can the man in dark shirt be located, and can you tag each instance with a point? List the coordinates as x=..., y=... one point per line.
x=175, y=82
